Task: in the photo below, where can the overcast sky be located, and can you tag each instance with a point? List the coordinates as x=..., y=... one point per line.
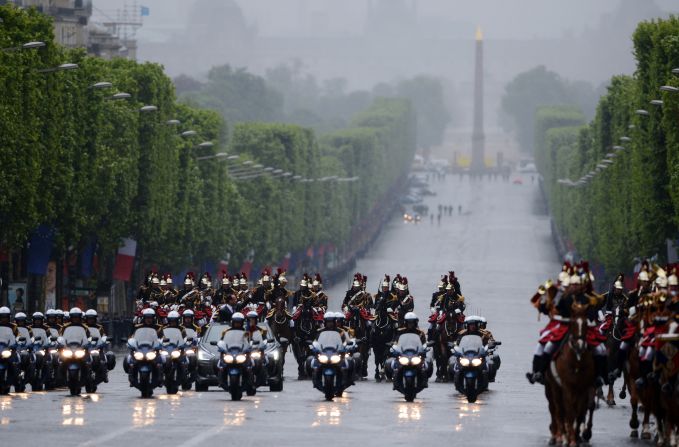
x=499, y=18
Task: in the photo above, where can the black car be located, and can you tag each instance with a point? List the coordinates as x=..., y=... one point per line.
x=208, y=355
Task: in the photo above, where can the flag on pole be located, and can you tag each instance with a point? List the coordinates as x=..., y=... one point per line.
x=145, y=11
x=40, y=249
x=122, y=269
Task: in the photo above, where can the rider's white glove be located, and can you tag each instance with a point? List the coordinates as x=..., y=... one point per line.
x=433, y=310
x=389, y=309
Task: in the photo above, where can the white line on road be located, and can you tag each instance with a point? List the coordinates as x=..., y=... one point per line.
x=107, y=437
x=196, y=440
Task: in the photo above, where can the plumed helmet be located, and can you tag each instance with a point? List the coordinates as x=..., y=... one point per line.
x=168, y=280
x=37, y=315
x=155, y=280
x=563, y=276
x=661, y=281
x=237, y=317
x=304, y=282
x=386, y=281
x=188, y=313
x=317, y=280
x=148, y=312
x=410, y=316
x=618, y=285
x=253, y=314
x=163, y=282
x=575, y=279
x=643, y=276
x=91, y=313
x=187, y=280
x=173, y=315
x=20, y=316
x=75, y=312
x=672, y=280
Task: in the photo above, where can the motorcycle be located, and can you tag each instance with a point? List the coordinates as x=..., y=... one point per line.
x=9, y=361
x=24, y=349
x=144, y=365
x=176, y=363
x=331, y=365
x=469, y=368
x=234, y=367
x=190, y=346
x=42, y=361
x=75, y=361
x=274, y=355
x=411, y=372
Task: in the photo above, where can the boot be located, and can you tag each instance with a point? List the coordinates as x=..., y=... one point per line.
x=540, y=363
x=601, y=366
x=645, y=369
x=620, y=360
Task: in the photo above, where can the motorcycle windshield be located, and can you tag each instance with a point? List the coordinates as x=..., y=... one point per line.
x=40, y=336
x=7, y=336
x=146, y=336
x=75, y=335
x=174, y=336
x=234, y=339
x=94, y=333
x=409, y=342
x=330, y=339
x=471, y=343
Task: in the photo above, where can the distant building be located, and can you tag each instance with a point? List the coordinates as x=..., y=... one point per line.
x=74, y=29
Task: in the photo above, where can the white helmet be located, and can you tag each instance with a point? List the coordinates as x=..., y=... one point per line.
x=618, y=285
x=188, y=313
x=563, y=276
x=303, y=283
x=20, y=316
x=225, y=281
x=237, y=317
x=4, y=310
x=148, y=312
x=50, y=312
x=75, y=312
x=59, y=312
x=91, y=313
x=672, y=280
x=38, y=315
x=252, y=314
x=155, y=280
x=339, y=315
x=643, y=276
x=243, y=282
x=173, y=315
x=410, y=316
x=472, y=318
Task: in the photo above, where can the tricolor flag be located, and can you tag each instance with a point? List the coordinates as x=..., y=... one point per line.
x=285, y=264
x=122, y=270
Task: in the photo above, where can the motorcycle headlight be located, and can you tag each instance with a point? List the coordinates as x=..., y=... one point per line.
x=476, y=362
x=228, y=358
x=256, y=355
x=336, y=358
x=464, y=361
x=53, y=351
x=41, y=352
x=190, y=352
x=416, y=360
x=240, y=358
x=67, y=353
x=150, y=355
x=94, y=352
x=163, y=353
x=403, y=360
x=323, y=358
x=6, y=354
x=175, y=354
x=138, y=356
x=79, y=353
x=275, y=354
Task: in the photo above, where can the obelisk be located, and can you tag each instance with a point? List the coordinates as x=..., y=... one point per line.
x=478, y=137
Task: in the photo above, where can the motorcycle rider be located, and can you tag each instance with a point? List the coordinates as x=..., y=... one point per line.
x=5, y=316
x=22, y=326
x=97, y=330
x=237, y=324
x=54, y=327
x=173, y=322
x=410, y=326
x=191, y=329
x=253, y=331
x=38, y=322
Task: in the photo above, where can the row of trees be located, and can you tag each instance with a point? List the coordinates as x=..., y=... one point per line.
x=96, y=169
x=631, y=207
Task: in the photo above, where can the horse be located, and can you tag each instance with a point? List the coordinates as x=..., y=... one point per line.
x=305, y=319
x=384, y=327
x=616, y=329
x=669, y=399
x=279, y=320
x=356, y=321
x=569, y=384
x=447, y=328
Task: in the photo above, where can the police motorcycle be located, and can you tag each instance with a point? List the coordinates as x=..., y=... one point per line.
x=266, y=355
x=412, y=365
x=25, y=350
x=103, y=360
x=235, y=365
x=75, y=361
x=330, y=365
x=172, y=352
x=42, y=377
x=469, y=367
x=190, y=351
x=10, y=369
x=144, y=365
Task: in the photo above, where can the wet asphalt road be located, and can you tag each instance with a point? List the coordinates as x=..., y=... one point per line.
x=500, y=249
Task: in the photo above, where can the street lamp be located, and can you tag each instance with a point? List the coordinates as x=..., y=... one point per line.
x=642, y=112
x=625, y=139
x=618, y=148
x=173, y=122
x=101, y=85
x=669, y=88
x=26, y=46
x=657, y=102
x=149, y=108
x=62, y=67
x=121, y=95
x=206, y=144
x=675, y=71
x=188, y=133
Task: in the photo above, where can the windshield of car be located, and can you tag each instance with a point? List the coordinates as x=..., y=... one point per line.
x=409, y=342
x=174, y=336
x=330, y=339
x=7, y=336
x=75, y=335
x=235, y=338
x=471, y=343
x=146, y=336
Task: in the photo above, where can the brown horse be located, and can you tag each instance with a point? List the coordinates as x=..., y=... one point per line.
x=669, y=399
x=446, y=332
x=569, y=384
x=279, y=319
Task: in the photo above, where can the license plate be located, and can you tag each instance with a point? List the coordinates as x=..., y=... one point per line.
x=409, y=373
x=234, y=371
x=329, y=372
x=470, y=374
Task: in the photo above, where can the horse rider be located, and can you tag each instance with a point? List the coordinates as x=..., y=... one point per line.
x=355, y=292
x=224, y=291
x=190, y=327
x=321, y=301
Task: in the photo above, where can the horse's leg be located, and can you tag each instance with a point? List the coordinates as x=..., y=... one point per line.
x=553, y=425
x=634, y=403
x=646, y=424
x=589, y=410
x=610, y=398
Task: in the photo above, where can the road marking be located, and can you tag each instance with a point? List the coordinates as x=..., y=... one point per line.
x=196, y=440
x=107, y=437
